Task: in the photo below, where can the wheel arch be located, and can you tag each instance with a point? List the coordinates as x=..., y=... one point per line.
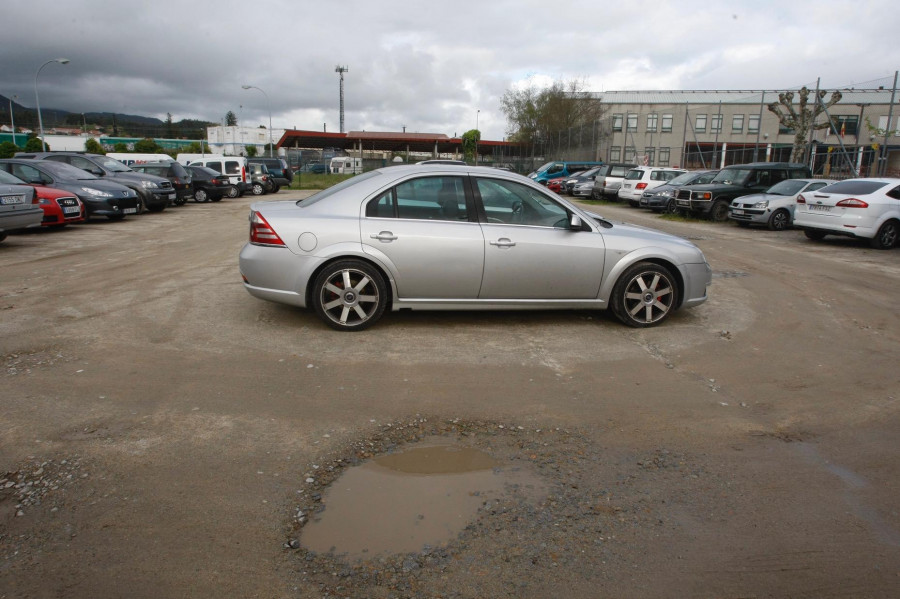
x=388, y=279
x=622, y=265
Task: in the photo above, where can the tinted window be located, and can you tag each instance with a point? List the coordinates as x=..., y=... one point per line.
x=507, y=202
x=216, y=166
x=27, y=173
x=431, y=198
x=57, y=158
x=232, y=167
x=83, y=164
x=853, y=187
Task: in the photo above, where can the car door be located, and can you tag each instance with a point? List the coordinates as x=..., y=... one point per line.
x=425, y=231
x=529, y=250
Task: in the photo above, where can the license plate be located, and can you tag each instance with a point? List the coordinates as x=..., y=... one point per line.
x=737, y=211
x=627, y=186
x=71, y=210
x=171, y=196
x=130, y=211
x=818, y=208
x=7, y=200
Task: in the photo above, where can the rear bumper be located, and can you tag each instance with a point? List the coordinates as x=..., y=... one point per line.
x=16, y=220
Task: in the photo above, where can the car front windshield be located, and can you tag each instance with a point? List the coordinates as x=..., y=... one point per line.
x=732, y=176
x=683, y=179
x=67, y=171
x=113, y=165
x=788, y=187
x=544, y=167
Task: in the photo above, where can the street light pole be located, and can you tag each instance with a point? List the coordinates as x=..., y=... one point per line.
x=271, y=148
x=477, y=135
x=37, y=102
x=12, y=118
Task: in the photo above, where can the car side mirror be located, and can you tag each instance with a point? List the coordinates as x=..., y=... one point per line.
x=575, y=222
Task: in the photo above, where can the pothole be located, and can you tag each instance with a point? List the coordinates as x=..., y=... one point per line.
x=418, y=497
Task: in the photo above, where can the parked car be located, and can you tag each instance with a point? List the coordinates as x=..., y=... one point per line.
x=644, y=178
x=774, y=208
x=60, y=207
x=417, y=237
x=662, y=198
x=155, y=192
x=582, y=177
x=608, y=180
x=209, y=185
x=712, y=200
x=233, y=167
x=866, y=208
x=17, y=206
x=556, y=185
x=174, y=172
x=316, y=168
x=260, y=180
x=278, y=170
x=560, y=168
x=99, y=196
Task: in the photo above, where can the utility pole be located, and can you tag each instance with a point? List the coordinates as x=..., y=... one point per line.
x=341, y=70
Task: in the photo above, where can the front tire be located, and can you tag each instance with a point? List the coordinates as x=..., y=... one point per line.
x=671, y=207
x=644, y=295
x=780, y=220
x=349, y=295
x=719, y=212
x=887, y=236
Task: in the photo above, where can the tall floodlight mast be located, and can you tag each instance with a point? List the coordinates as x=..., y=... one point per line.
x=341, y=70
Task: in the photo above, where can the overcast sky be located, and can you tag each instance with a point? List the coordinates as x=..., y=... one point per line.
x=427, y=65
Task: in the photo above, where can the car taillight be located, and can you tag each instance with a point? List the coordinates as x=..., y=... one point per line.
x=243, y=174
x=640, y=186
x=801, y=199
x=261, y=233
x=852, y=203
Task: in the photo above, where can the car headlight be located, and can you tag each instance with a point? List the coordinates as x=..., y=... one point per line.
x=149, y=184
x=96, y=192
x=666, y=194
x=761, y=205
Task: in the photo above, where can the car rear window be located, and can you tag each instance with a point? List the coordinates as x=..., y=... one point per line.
x=634, y=175
x=853, y=187
x=617, y=171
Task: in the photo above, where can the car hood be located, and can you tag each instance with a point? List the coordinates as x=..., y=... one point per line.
x=647, y=234
x=138, y=177
x=108, y=186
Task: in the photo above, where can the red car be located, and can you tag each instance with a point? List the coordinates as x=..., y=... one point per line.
x=556, y=184
x=60, y=207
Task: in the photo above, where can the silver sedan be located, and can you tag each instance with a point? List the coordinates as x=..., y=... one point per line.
x=441, y=237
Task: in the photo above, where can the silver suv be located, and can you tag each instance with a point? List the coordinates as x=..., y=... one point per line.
x=608, y=180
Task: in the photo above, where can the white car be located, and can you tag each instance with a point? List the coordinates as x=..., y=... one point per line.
x=773, y=208
x=644, y=178
x=864, y=208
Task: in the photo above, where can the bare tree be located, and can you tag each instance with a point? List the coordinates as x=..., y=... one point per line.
x=803, y=119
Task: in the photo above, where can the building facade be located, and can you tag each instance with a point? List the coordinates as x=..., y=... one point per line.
x=711, y=129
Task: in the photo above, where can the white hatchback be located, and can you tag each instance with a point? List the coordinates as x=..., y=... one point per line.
x=864, y=208
x=644, y=178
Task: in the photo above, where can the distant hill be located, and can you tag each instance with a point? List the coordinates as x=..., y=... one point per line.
x=113, y=123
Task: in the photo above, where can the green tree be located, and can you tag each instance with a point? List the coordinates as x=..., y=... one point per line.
x=93, y=146
x=8, y=149
x=470, y=141
x=230, y=119
x=120, y=148
x=250, y=151
x=34, y=144
x=147, y=146
x=802, y=120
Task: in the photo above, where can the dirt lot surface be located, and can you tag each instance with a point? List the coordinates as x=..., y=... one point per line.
x=165, y=434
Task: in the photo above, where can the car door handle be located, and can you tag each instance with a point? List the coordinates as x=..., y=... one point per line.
x=384, y=236
x=503, y=242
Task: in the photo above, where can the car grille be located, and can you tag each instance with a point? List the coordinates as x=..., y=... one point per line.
x=166, y=185
x=684, y=194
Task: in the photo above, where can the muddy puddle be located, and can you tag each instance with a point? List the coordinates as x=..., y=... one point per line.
x=401, y=502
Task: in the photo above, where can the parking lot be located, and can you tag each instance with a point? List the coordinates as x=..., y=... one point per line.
x=166, y=421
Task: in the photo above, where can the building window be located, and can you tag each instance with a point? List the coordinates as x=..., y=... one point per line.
x=652, y=122
x=737, y=123
x=615, y=154
x=715, y=124
x=632, y=122
x=649, y=155
x=664, y=156
x=667, y=123
x=630, y=154
x=846, y=124
x=617, y=122
x=753, y=124
x=782, y=129
x=700, y=123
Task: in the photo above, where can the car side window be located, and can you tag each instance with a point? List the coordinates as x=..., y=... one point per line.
x=815, y=186
x=232, y=167
x=29, y=174
x=508, y=202
x=423, y=198
x=216, y=166
x=58, y=158
x=894, y=193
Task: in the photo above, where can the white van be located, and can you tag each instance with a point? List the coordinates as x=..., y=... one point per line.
x=129, y=159
x=345, y=165
x=234, y=167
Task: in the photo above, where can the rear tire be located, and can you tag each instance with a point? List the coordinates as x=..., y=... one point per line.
x=887, y=236
x=349, y=295
x=201, y=196
x=644, y=295
x=234, y=192
x=257, y=189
